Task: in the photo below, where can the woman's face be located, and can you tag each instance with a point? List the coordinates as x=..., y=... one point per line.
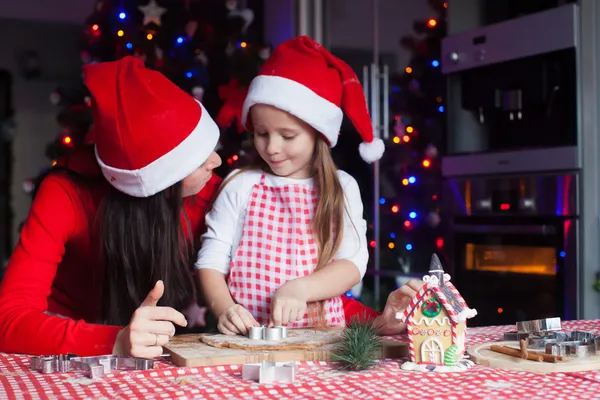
x=195, y=182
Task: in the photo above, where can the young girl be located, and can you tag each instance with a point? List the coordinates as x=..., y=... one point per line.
x=289, y=231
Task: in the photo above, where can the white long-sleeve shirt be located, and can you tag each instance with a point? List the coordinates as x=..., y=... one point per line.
x=225, y=221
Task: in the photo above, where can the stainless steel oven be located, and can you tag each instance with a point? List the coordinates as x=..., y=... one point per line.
x=512, y=244
x=512, y=95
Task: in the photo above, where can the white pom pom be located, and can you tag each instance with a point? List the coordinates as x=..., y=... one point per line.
x=371, y=152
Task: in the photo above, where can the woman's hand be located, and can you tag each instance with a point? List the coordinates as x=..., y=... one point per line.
x=236, y=320
x=150, y=328
x=289, y=304
x=397, y=301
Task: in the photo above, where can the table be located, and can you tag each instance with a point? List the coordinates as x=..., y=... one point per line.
x=316, y=380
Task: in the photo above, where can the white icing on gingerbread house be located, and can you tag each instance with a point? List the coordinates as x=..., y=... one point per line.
x=436, y=319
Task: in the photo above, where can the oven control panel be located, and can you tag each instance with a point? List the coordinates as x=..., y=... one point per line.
x=542, y=195
x=502, y=202
x=546, y=31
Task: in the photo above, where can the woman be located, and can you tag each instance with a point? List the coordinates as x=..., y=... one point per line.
x=104, y=263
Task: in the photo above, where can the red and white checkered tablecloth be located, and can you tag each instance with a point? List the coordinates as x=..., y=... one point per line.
x=313, y=381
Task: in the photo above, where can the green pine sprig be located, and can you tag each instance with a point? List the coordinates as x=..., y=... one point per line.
x=357, y=349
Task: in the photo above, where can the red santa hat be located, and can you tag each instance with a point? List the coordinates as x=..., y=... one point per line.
x=148, y=133
x=304, y=79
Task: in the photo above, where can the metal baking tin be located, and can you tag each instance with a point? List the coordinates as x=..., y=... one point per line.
x=269, y=372
x=93, y=367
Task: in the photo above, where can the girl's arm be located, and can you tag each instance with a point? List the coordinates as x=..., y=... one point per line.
x=27, y=284
x=215, y=291
x=350, y=262
x=330, y=281
x=214, y=258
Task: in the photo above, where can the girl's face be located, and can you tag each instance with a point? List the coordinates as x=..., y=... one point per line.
x=283, y=141
x=195, y=182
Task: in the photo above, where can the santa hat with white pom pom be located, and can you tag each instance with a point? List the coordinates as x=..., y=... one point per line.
x=304, y=79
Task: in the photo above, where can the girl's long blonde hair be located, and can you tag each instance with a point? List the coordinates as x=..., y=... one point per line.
x=328, y=218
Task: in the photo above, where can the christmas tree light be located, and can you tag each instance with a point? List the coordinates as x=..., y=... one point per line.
x=173, y=38
x=410, y=172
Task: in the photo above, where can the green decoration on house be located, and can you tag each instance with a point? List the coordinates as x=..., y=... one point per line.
x=431, y=307
x=450, y=358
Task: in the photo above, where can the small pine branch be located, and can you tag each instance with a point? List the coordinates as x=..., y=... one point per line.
x=358, y=347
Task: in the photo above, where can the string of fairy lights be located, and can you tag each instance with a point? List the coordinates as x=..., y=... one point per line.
x=404, y=134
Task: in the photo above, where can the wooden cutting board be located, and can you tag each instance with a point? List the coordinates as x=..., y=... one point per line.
x=189, y=351
x=481, y=354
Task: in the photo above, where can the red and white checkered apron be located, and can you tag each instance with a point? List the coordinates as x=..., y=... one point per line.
x=276, y=246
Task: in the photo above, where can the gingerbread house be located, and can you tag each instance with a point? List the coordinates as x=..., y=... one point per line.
x=436, y=320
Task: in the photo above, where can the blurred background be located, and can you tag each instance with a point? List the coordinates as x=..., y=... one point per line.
x=478, y=102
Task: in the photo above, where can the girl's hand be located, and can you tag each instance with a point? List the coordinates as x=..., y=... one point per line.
x=236, y=320
x=150, y=328
x=288, y=305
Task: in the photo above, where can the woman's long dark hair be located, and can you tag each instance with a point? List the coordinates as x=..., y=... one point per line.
x=144, y=240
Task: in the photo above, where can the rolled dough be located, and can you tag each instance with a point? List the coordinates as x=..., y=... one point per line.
x=297, y=339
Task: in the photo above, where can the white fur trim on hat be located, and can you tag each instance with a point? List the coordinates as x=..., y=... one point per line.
x=372, y=151
x=298, y=100
x=172, y=167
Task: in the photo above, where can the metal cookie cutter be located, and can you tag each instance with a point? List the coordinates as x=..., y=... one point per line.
x=569, y=344
x=515, y=336
x=92, y=367
x=573, y=349
x=269, y=372
x=264, y=333
x=539, y=325
x=541, y=340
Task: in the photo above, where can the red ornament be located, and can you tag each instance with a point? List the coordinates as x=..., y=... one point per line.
x=234, y=96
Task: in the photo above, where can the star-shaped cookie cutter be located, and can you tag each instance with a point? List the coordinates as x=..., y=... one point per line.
x=269, y=372
x=93, y=367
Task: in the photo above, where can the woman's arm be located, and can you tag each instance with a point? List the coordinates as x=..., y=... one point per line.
x=356, y=310
x=25, y=326
x=385, y=322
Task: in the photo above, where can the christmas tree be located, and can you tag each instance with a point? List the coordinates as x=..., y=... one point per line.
x=73, y=122
x=410, y=170
x=209, y=48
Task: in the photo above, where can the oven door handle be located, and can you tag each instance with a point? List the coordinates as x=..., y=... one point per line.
x=507, y=229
